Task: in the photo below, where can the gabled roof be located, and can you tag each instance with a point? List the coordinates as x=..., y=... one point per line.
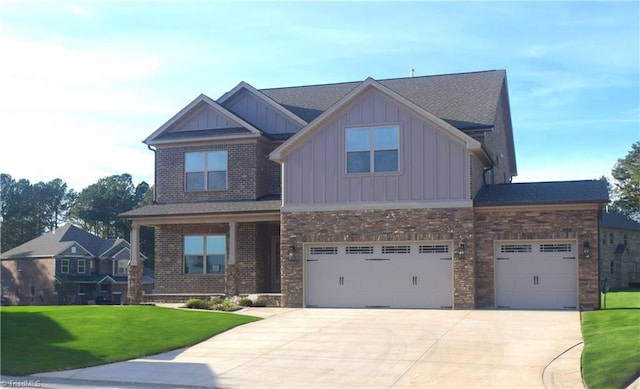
x=371, y=84
x=619, y=221
x=164, y=134
x=264, y=98
x=464, y=100
x=541, y=193
x=57, y=241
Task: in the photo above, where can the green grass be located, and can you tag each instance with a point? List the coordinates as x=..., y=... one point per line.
x=611, y=356
x=49, y=338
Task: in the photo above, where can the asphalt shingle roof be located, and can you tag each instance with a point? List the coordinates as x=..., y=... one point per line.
x=204, y=208
x=464, y=100
x=195, y=134
x=619, y=221
x=535, y=193
x=53, y=242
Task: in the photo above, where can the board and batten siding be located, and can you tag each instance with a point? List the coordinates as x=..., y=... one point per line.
x=257, y=112
x=204, y=118
x=434, y=166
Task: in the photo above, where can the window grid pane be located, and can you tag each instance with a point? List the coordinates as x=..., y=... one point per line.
x=358, y=162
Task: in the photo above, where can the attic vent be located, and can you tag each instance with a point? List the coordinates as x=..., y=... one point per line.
x=396, y=249
x=555, y=248
x=515, y=248
x=324, y=250
x=359, y=250
x=434, y=248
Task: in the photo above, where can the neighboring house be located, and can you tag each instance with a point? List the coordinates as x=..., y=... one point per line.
x=380, y=193
x=67, y=266
x=620, y=251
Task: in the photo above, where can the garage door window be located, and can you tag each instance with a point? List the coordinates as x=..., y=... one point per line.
x=396, y=249
x=433, y=248
x=359, y=250
x=555, y=248
x=515, y=248
x=324, y=250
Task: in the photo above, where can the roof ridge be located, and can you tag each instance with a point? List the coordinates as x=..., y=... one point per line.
x=380, y=80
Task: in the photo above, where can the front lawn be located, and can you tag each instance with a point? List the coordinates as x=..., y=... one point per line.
x=48, y=338
x=611, y=356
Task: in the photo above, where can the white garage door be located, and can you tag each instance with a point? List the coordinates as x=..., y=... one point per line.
x=379, y=275
x=536, y=275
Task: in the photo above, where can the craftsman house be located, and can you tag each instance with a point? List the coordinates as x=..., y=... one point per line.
x=378, y=193
x=67, y=266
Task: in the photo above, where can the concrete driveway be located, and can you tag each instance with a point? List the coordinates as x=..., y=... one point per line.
x=365, y=348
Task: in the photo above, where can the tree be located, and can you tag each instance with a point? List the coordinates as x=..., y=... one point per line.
x=97, y=206
x=626, y=188
x=27, y=211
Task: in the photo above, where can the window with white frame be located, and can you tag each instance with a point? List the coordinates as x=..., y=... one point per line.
x=81, y=290
x=372, y=149
x=123, y=266
x=205, y=170
x=82, y=266
x=205, y=254
x=64, y=266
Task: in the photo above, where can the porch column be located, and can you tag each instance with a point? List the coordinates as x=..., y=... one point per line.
x=231, y=276
x=135, y=271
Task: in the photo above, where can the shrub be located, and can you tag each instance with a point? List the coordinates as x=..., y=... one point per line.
x=198, y=304
x=245, y=302
x=225, y=305
x=218, y=300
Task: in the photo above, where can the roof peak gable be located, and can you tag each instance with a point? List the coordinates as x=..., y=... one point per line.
x=371, y=84
x=261, y=96
x=192, y=108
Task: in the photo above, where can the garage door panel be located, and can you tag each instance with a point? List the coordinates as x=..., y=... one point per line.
x=381, y=275
x=536, y=275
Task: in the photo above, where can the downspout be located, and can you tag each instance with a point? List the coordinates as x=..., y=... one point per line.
x=485, y=171
x=155, y=172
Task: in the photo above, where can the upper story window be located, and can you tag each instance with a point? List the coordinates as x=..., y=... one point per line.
x=74, y=250
x=206, y=170
x=82, y=266
x=372, y=149
x=205, y=254
x=64, y=266
x=123, y=265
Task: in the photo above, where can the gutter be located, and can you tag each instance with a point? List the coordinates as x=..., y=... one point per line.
x=155, y=173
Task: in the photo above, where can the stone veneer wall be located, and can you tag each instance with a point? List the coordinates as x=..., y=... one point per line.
x=509, y=223
x=372, y=226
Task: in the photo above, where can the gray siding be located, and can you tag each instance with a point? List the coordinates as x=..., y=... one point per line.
x=434, y=166
x=204, y=118
x=247, y=106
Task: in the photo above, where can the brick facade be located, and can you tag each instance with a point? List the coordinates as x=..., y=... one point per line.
x=250, y=173
x=377, y=226
x=508, y=223
x=31, y=284
x=249, y=274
